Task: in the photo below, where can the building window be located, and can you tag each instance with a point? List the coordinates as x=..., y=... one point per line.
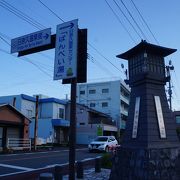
x=92, y=105
x=92, y=91
x=61, y=113
x=82, y=92
x=81, y=124
x=105, y=90
x=104, y=104
x=29, y=113
x=178, y=119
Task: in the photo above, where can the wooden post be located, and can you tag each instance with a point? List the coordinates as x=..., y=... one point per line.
x=36, y=123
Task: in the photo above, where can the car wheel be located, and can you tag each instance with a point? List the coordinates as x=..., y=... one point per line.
x=107, y=149
x=90, y=150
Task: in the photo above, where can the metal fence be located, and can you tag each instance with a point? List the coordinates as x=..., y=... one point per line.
x=57, y=171
x=19, y=144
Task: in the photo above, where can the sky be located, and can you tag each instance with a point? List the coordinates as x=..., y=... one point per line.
x=109, y=34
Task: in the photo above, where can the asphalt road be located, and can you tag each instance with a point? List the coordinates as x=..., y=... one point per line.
x=12, y=163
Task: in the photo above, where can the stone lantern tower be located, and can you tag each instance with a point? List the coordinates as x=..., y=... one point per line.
x=150, y=148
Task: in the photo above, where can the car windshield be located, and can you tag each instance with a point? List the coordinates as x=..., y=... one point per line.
x=101, y=139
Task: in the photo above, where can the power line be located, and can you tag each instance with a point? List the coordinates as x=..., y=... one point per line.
x=51, y=11
x=127, y=19
x=134, y=20
x=104, y=57
x=25, y=15
x=88, y=42
x=99, y=65
x=4, y=40
x=21, y=15
x=117, y=17
x=40, y=53
x=144, y=21
x=5, y=36
x=28, y=61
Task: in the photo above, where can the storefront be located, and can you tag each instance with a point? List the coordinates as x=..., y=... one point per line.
x=13, y=124
x=61, y=131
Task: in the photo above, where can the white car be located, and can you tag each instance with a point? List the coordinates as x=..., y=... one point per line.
x=103, y=143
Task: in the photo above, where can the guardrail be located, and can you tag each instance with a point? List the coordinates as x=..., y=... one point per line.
x=56, y=172
x=18, y=144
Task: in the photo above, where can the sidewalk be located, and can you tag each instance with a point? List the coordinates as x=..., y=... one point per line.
x=91, y=175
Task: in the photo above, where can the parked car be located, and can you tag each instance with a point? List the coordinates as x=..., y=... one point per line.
x=102, y=143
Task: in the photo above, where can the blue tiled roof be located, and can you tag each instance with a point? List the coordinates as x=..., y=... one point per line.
x=45, y=100
x=30, y=98
x=53, y=100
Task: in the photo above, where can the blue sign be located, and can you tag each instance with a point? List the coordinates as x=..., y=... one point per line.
x=30, y=41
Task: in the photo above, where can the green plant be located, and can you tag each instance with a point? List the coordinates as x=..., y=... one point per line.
x=178, y=130
x=106, y=161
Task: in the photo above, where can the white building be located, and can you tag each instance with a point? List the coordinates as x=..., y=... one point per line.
x=111, y=98
x=91, y=123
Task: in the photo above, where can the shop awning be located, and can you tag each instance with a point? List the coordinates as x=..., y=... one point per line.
x=60, y=122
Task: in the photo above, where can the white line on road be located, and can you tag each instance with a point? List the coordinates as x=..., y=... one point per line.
x=81, y=149
x=16, y=167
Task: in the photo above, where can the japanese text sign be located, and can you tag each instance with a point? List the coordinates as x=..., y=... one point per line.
x=30, y=41
x=65, y=65
x=136, y=118
x=160, y=117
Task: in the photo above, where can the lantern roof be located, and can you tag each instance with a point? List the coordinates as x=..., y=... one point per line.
x=146, y=47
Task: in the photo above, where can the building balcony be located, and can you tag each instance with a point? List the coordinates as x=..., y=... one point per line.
x=124, y=112
x=124, y=99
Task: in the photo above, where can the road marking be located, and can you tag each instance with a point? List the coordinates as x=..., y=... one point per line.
x=16, y=167
x=39, y=157
x=82, y=149
x=53, y=165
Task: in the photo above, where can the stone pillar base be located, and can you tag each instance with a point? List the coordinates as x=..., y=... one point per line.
x=146, y=164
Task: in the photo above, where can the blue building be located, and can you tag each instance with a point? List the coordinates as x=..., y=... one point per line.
x=52, y=125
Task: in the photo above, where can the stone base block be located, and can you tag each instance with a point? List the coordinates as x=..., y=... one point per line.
x=146, y=164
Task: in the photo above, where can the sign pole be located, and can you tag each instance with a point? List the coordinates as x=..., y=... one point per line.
x=70, y=65
x=72, y=136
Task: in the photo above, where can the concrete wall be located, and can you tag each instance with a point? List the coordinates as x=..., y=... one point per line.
x=46, y=110
x=45, y=128
x=56, y=107
x=112, y=97
x=9, y=100
x=28, y=108
x=86, y=134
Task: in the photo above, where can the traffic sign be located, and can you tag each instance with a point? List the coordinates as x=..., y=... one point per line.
x=30, y=41
x=65, y=65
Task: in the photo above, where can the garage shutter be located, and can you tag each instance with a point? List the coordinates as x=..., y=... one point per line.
x=13, y=133
x=1, y=132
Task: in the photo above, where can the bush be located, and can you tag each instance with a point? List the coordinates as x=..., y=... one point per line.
x=106, y=161
x=178, y=132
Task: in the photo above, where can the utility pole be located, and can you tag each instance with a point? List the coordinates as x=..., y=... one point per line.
x=36, y=123
x=170, y=94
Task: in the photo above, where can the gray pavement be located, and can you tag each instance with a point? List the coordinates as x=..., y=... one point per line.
x=90, y=174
